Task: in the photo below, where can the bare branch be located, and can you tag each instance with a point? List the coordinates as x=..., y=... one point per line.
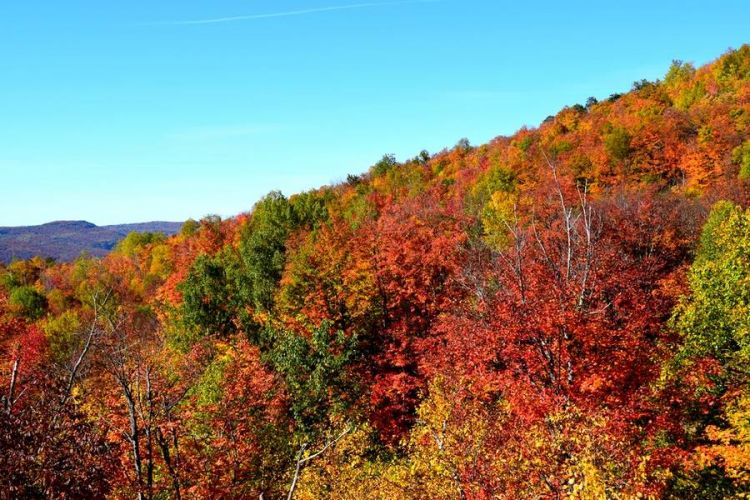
x=12, y=389
x=301, y=462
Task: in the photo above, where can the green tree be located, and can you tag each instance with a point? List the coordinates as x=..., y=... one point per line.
x=263, y=243
x=316, y=369
x=679, y=72
x=189, y=227
x=385, y=165
x=617, y=143
x=210, y=299
x=714, y=321
x=309, y=208
x=134, y=242
x=263, y=249
x=715, y=318
x=28, y=302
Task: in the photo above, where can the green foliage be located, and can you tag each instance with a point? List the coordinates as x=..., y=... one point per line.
x=385, y=165
x=691, y=95
x=263, y=249
x=705, y=134
x=560, y=147
x=617, y=143
x=735, y=65
x=211, y=223
x=679, y=72
x=219, y=289
x=209, y=296
x=741, y=156
x=423, y=157
x=654, y=91
x=28, y=302
x=498, y=216
x=10, y=280
x=309, y=209
x=181, y=336
x=708, y=248
x=189, y=227
x=360, y=208
x=496, y=179
x=525, y=143
x=207, y=391
x=492, y=200
x=580, y=108
x=209, y=388
x=411, y=181
x=463, y=145
x=61, y=334
x=316, y=370
x=134, y=242
x=715, y=318
x=582, y=168
x=263, y=242
x=639, y=85
x=715, y=323
x=91, y=278
x=353, y=180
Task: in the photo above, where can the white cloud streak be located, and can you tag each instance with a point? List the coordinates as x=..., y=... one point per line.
x=289, y=13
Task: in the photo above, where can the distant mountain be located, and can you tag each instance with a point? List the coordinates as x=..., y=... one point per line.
x=65, y=240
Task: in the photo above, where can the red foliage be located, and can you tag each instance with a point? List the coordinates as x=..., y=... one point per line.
x=414, y=250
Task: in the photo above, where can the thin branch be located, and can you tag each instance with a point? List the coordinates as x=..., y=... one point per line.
x=328, y=445
x=302, y=461
x=12, y=389
x=86, y=347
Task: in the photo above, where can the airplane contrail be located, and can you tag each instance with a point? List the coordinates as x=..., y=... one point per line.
x=289, y=13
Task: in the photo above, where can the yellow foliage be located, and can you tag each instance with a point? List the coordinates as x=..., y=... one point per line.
x=446, y=443
x=346, y=472
x=731, y=446
x=499, y=217
x=61, y=332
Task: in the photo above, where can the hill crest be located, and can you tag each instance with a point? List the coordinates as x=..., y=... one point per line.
x=66, y=239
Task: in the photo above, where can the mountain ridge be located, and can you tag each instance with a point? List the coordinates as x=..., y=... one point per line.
x=65, y=240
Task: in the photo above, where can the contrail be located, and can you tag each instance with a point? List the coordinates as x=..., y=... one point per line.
x=289, y=13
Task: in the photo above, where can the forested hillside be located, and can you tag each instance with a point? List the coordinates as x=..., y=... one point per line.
x=67, y=240
x=563, y=312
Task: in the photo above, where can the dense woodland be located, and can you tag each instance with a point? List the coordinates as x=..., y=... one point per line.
x=560, y=313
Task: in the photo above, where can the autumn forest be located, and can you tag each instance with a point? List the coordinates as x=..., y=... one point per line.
x=560, y=313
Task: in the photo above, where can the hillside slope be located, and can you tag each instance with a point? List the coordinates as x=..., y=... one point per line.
x=66, y=240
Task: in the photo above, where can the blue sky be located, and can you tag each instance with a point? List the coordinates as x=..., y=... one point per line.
x=141, y=110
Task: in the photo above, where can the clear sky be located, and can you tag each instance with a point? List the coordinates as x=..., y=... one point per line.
x=163, y=110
